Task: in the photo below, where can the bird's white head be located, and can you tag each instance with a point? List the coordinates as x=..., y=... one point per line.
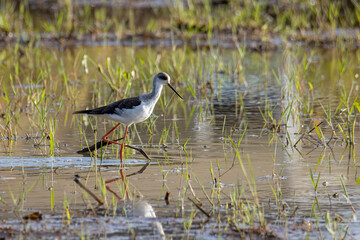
x=164, y=79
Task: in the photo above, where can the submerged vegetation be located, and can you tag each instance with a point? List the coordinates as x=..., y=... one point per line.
x=263, y=146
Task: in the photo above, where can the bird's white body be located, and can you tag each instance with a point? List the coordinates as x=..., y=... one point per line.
x=140, y=113
x=130, y=116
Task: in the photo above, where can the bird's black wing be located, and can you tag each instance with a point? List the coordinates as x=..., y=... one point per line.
x=127, y=103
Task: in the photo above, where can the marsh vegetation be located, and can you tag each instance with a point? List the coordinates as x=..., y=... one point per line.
x=263, y=146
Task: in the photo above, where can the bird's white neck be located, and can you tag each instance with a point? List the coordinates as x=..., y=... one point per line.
x=156, y=91
x=154, y=95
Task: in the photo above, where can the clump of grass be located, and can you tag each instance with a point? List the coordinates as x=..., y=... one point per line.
x=19, y=200
x=348, y=115
x=285, y=16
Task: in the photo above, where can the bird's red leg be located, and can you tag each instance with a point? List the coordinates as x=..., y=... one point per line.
x=104, y=138
x=122, y=147
x=106, y=135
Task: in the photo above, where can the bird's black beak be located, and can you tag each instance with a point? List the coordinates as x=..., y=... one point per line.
x=175, y=91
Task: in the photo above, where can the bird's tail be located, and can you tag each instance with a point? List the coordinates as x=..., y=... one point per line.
x=95, y=111
x=82, y=112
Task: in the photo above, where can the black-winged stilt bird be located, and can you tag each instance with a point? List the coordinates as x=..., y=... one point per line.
x=131, y=110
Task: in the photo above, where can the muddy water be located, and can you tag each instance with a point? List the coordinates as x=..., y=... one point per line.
x=241, y=89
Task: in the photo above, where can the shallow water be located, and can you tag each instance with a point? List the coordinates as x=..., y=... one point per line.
x=230, y=92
